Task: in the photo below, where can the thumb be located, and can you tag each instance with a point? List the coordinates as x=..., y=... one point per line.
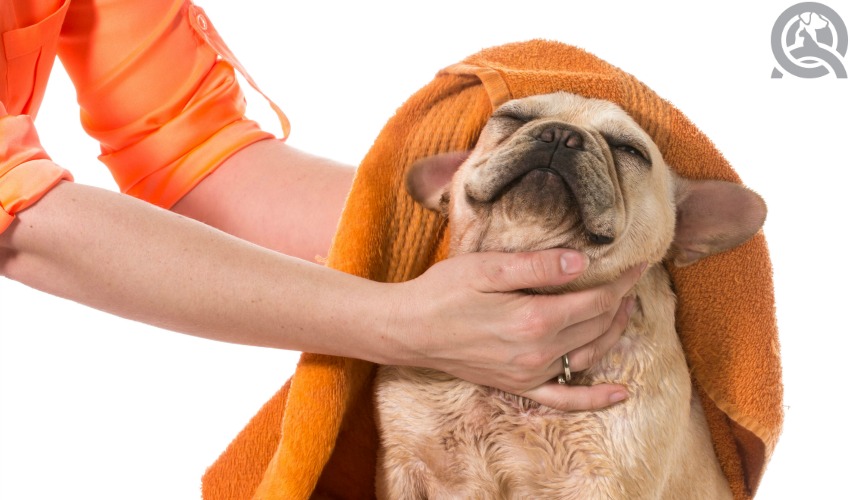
x=508, y=272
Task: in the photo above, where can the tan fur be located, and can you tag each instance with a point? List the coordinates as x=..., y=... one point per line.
x=445, y=438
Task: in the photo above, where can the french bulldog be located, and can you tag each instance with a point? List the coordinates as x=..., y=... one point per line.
x=564, y=171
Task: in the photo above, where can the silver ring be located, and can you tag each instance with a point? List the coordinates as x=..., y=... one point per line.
x=563, y=379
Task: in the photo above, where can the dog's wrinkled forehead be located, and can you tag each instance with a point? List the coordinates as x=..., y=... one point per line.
x=610, y=120
x=568, y=107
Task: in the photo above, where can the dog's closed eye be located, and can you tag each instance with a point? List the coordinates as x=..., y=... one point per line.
x=629, y=147
x=630, y=150
x=510, y=116
x=513, y=113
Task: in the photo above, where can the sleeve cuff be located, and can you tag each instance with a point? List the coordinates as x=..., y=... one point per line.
x=166, y=163
x=25, y=185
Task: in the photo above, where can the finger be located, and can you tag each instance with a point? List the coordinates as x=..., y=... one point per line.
x=508, y=272
x=584, y=341
x=587, y=304
x=574, y=337
x=577, y=397
x=592, y=352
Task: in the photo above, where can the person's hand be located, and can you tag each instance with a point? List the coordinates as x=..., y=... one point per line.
x=466, y=316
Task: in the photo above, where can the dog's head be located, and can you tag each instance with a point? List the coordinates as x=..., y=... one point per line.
x=560, y=170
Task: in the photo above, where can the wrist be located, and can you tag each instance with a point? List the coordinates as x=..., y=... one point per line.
x=398, y=335
x=363, y=318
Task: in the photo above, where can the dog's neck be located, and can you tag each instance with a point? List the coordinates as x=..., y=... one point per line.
x=650, y=334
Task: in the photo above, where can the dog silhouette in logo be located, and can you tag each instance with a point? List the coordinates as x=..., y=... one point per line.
x=810, y=44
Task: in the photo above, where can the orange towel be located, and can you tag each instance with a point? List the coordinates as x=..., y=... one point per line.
x=324, y=443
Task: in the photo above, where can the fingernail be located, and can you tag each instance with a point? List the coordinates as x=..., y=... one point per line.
x=573, y=262
x=618, y=396
x=643, y=267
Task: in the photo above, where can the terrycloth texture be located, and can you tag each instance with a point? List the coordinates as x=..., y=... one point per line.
x=325, y=443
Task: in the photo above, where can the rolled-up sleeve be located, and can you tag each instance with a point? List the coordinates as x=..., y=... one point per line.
x=26, y=171
x=165, y=107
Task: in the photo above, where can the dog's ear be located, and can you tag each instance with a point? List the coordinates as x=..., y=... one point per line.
x=712, y=217
x=428, y=179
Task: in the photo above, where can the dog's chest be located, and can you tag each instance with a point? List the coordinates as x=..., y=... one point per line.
x=468, y=436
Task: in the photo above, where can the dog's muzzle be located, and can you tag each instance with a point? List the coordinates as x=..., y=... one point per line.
x=575, y=155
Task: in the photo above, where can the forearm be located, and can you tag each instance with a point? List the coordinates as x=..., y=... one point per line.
x=273, y=195
x=128, y=258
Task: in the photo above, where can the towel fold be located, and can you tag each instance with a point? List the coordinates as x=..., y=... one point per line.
x=317, y=437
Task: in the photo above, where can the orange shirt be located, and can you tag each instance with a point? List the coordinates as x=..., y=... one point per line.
x=155, y=84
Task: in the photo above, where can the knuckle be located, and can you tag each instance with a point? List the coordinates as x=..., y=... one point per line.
x=619, y=322
x=493, y=271
x=534, y=326
x=575, y=399
x=523, y=382
x=538, y=268
x=517, y=382
x=597, y=402
x=590, y=399
x=509, y=381
x=531, y=363
x=605, y=300
x=594, y=355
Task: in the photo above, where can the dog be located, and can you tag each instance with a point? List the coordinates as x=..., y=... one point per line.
x=564, y=171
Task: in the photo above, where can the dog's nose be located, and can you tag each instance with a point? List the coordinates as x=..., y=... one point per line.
x=562, y=136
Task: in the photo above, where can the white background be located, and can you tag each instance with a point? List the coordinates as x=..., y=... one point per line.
x=96, y=407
